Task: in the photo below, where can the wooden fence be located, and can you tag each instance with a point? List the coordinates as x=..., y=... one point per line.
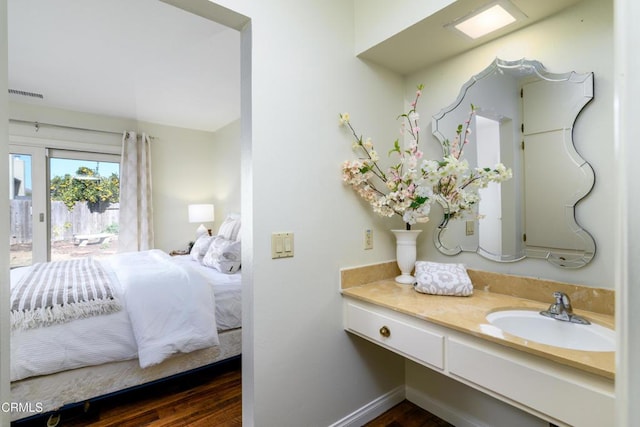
x=64, y=223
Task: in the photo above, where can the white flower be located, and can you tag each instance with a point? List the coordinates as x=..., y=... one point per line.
x=412, y=184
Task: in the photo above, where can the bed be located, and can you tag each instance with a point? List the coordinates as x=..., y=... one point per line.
x=148, y=336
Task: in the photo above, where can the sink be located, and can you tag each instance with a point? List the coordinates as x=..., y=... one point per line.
x=531, y=325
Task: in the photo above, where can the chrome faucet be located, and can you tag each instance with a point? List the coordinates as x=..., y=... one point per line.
x=561, y=310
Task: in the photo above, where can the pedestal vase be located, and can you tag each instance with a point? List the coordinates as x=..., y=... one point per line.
x=406, y=254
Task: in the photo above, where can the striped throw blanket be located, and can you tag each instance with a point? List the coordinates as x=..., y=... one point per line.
x=60, y=291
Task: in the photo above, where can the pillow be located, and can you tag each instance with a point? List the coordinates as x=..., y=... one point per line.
x=230, y=227
x=442, y=279
x=224, y=255
x=199, y=248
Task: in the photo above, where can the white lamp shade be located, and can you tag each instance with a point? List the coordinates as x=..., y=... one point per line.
x=201, y=213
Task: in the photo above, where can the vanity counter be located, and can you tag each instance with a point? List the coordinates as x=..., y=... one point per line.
x=468, y=315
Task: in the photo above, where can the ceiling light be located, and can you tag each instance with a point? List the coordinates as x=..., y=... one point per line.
x=487, y=19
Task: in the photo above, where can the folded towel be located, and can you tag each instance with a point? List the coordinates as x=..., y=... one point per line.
x=442, y=279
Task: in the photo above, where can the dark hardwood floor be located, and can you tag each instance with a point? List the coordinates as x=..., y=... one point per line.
x=406, y=414
x=209, y=399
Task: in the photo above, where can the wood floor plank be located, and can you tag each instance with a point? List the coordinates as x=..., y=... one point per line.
x=406, y=414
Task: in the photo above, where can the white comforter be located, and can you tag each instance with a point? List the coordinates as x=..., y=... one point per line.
x=168, y=308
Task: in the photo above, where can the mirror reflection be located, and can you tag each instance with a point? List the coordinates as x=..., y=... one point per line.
x=525, y=118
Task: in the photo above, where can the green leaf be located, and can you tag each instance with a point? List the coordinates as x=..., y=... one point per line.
x=418, y=201
x=396, y=147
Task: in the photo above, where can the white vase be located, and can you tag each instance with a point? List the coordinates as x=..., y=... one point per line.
x=406, y=254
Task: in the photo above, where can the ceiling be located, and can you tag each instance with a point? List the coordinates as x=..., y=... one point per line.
x=141, y=59
x=428, y=41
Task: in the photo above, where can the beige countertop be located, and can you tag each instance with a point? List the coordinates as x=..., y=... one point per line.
x=468, y=315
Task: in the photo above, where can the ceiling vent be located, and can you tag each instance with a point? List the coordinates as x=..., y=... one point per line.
x=25, y=93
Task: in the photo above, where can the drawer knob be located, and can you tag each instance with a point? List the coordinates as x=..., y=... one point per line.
x=385, y=332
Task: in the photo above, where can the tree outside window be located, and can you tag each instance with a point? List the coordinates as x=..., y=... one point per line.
x=86, y=186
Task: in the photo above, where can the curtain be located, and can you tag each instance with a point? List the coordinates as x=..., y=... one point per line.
x=136, y=209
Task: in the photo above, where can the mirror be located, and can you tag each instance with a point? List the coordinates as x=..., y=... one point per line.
x=524, y=119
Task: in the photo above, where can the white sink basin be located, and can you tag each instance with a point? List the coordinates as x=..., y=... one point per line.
x=531, y=325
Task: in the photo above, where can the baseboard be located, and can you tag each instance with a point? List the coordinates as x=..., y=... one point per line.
x=372, y=409
x=441, y=409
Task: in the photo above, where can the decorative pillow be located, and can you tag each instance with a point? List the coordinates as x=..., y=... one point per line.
x=224, y=255
x=442, y=279
x=199, y=248
x=230, y=227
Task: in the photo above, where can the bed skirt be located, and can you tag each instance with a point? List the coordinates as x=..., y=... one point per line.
x=51, y=392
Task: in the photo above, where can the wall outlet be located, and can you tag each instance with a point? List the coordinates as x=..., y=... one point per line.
x=368, y=238
x=470, y=225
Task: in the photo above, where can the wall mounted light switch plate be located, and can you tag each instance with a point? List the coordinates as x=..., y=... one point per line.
x=281, y=245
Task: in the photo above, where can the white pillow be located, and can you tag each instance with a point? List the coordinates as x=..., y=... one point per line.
x=230, y=227
x=200, y=247
x=442, y=279
x=224, y=255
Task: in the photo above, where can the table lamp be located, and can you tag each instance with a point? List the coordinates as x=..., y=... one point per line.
x=201, y=214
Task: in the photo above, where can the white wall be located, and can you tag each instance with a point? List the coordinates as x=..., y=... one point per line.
x=577, y=39
x=4, y=220
x=627, y=109
x=225, y=170
x=303, y=369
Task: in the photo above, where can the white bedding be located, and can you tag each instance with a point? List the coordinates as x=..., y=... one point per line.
x=227, y=289
x=105, y=338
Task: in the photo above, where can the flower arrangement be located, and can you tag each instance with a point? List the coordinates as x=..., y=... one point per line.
x=412, y=184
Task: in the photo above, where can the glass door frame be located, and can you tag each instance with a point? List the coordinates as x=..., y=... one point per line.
x=40, y=191
x=39, y=199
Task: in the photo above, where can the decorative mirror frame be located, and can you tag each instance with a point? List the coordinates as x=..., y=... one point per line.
x=588, y=177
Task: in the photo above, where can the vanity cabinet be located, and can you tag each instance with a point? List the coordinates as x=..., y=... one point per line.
x=560, y=394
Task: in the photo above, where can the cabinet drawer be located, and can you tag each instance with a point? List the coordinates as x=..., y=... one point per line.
x=587, y=401
x=396, y=334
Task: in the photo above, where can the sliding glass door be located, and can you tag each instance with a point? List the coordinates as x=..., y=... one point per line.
x=63, y=204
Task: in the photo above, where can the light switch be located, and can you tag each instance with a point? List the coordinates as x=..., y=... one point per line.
x=281, y=245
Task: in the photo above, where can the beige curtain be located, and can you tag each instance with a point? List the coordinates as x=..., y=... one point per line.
x=136, y=208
